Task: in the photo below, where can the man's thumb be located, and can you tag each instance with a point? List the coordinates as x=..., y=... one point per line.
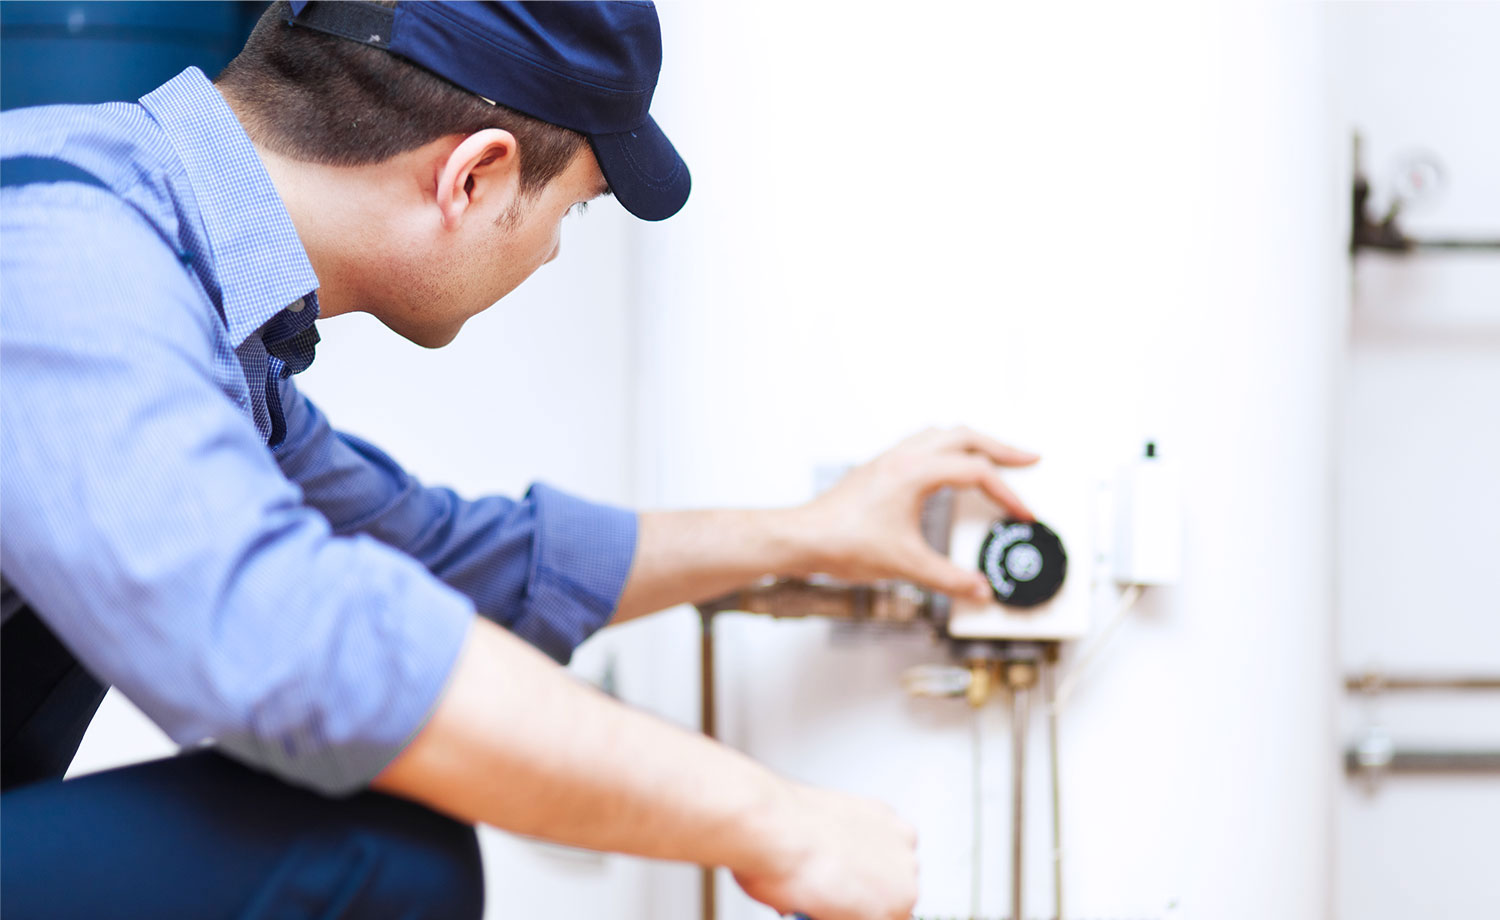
x=940, y=574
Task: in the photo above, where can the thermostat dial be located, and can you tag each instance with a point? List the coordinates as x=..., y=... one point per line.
x=1024, y=561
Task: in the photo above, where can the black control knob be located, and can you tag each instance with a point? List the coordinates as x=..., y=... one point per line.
x=1024, y=561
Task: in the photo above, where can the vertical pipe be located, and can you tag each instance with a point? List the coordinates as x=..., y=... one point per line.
x=709, y=725
x=1019, y=698
x=1049, y=694
x=976, y=858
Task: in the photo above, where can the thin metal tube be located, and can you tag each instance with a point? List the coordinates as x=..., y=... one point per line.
x=1374, y=682
x=1049, y=674
x=976, y=860
x=1424, y=761
x=1020, y=697
x=1481, y=245
x=708, y=723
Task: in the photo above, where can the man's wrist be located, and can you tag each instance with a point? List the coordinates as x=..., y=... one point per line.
x=796, y=541
x=773, y=831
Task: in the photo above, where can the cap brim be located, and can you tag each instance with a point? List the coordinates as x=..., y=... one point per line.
x=643, y=170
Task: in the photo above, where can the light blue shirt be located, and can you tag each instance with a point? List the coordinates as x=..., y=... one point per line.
x=184, y=520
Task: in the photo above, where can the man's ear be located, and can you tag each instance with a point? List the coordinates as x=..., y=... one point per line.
x=483, y=170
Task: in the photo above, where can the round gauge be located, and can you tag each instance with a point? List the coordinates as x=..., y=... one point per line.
x=1024, y=561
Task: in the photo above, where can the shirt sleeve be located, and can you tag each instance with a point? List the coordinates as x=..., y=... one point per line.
x=147, y=523
x=549, y=567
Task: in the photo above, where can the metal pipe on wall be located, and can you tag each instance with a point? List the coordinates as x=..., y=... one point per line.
x=1375, y=682
x=1358, y=760
x=709, y=725
x=1049, y=674
x=1020, y=700
x=976, y=853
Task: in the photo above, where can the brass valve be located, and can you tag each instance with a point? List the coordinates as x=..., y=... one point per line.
x=1019, y=675
x=981, y=682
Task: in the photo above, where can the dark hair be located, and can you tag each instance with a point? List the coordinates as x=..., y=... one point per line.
x=323, y=99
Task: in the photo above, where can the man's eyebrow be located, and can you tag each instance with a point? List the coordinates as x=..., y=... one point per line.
x=602, y=189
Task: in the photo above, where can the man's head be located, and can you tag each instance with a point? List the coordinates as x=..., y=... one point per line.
x=428, y=153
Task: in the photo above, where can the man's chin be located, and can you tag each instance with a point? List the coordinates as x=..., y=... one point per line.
x=427, y=336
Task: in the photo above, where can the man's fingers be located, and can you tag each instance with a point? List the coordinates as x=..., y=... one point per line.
x=979, y=472
x=1001, y=494
x=967, y=439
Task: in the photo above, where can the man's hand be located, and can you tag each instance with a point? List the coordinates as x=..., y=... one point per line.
x=868, y=526
x=865, y=528
x=853, y=860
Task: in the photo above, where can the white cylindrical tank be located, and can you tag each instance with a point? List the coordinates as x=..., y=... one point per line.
x=1074, y=228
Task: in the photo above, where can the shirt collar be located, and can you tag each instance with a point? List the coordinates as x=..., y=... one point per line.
x=259, y=262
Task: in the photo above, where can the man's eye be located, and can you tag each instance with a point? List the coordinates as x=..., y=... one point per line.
x=579, y=208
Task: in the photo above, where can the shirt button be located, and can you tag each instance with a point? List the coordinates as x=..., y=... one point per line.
x=297, y=305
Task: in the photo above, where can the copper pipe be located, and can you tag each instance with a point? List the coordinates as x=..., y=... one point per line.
x=707, y=722
x=1373, y=682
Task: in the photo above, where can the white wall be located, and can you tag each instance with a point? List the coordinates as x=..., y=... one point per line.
x=1419, y=447
x=1074, y=228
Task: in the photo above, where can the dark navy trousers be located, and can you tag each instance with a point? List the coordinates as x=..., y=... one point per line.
x=197, y=836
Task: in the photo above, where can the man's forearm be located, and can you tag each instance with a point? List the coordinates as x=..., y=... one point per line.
x=518, y=743
x=686, y=556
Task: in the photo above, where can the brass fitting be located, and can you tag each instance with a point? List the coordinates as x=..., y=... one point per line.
x=981, y=683
x=1020, y=675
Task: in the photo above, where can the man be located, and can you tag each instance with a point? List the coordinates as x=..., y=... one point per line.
x=179, y=522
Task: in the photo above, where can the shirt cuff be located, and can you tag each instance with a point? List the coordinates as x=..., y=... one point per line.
x=580, y=561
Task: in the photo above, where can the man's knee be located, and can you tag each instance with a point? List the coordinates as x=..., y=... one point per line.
x=435, y=867
x=394, y=860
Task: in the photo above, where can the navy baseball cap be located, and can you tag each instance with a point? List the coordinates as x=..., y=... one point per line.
x=591, y=67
